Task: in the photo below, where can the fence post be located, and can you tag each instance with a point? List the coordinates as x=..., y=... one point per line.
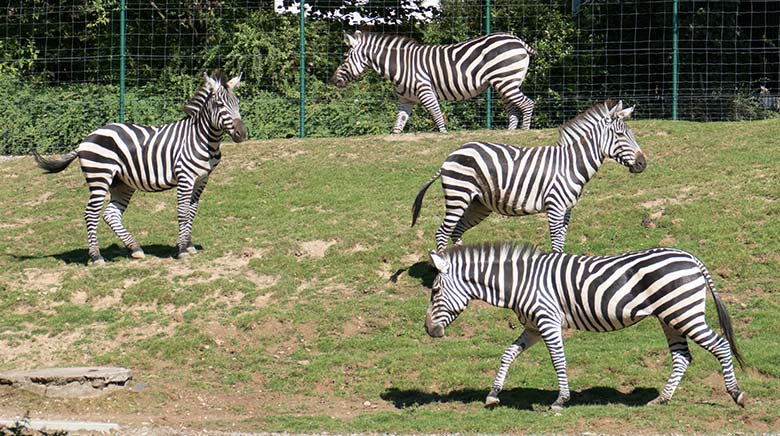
x=122, y=13
x=302, y=96
x=675, y=55
x=489, y=93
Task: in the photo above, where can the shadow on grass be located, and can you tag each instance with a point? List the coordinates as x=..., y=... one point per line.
x=420, y=270
x=521, y=398
x=110, y=253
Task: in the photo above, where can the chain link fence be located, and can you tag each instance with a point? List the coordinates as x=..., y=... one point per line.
x=62, y=63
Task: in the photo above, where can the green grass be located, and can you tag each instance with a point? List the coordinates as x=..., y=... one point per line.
x=260, y=331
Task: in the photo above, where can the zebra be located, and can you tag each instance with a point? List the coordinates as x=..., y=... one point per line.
x=482, y=177
x=429, y=73
x=120, y=158
x=553, y=291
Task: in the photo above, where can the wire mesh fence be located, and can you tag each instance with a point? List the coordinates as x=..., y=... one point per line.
x=60, y=61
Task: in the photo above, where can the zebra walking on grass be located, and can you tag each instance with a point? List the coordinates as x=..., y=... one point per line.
x=429, y=73
x=120, y=158
x=550, y=292
x=482, y=177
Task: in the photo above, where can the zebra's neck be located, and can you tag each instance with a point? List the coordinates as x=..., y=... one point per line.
x=583, y=151
x=383, y=52
x=204, y=134
x=483, y=278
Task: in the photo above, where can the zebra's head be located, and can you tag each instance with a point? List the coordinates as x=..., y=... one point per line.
x=222, y=106
x=446, y=303
x=355, y=60
x=619, y=141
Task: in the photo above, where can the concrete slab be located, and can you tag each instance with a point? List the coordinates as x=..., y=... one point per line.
x=71, y=382
x=59, y=425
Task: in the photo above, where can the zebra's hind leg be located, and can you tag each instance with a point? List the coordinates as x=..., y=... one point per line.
x=456, y=204
x=524, y=342
x=120, y=198
x=721, y=349
x=681, y=358
x=474, y=215
x=97, y=194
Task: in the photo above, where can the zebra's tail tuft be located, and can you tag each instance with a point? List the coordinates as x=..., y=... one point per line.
x=54, y=166
x=723, y=316
x=418, y=201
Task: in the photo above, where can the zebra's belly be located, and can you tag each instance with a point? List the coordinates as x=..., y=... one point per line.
x=148, y=184
x=597, y=323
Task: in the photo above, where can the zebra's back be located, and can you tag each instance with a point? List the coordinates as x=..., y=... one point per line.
x=143, y=157
x=465, y=70
x=607, y=293
x=509, y=180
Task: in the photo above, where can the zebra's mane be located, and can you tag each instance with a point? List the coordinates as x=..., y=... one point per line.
x=197, y=101
x=481, y=250
x=385, y=38
x=597, y=111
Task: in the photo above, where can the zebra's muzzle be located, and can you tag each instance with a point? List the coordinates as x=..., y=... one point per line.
x=639, y=164
x=433, y=330
x=436, y=331
x=240, y=132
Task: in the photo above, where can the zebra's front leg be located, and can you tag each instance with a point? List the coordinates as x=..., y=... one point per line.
x=200, y=185
x=405, y=107
x=526, y=107
x=431, y=103
x=550, y=330
x=558, y=219
x=120, y=198
x=184, y=195
x=681, y=358
x=524, y=342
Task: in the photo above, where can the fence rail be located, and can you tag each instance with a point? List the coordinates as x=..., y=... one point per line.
x=70, y=66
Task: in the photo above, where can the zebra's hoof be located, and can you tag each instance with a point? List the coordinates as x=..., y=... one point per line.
x=99, y=261
x=183, y=255
x=191, y=249
x=137, y=254
x=659, y=401
x=556, y=406
x=740, y=399
x=491, y=402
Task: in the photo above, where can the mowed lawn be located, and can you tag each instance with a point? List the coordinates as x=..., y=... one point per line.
x=304, y=310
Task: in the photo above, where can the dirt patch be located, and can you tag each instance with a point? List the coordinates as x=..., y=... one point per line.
x=314, y=249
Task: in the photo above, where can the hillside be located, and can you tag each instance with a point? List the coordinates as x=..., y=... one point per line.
x=304, y=309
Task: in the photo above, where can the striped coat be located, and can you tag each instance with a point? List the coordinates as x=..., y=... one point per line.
x=555, y=291
x=428, y=74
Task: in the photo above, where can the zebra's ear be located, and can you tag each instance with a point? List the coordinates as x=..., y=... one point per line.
x=351, y=40
x=616, y=109
x=210, y=83
x=626, y=113
x=441, y=264
x=234, y=82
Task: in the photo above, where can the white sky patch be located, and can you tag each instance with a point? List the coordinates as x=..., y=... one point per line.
x=423, y=12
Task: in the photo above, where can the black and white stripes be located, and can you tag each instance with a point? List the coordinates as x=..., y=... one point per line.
x=482, y=177
x=555, y=291
x=427, y=74
x=119, y=159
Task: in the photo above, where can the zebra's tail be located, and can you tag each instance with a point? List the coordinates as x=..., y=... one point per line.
x=418, y=201
x=530, y=50
x=54, y=166
x=723, y=316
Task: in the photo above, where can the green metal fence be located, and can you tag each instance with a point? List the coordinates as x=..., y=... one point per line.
x=70, y=66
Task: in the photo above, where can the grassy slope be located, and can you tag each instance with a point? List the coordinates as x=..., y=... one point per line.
x=259, y=332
